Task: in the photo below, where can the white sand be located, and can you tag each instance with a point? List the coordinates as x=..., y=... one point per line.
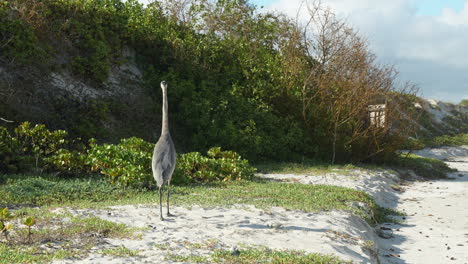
x=445, y=153
x=437, y=209
x=436, y=228
x=334, y=233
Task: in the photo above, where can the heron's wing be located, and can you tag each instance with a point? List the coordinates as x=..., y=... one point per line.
x=162, y=157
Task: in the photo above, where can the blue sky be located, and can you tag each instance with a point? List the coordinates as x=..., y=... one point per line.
x=425, y=7
x=434, y=7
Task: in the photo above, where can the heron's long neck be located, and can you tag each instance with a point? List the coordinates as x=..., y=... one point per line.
x=165, y=115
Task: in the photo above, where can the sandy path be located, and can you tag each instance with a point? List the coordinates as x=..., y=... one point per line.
x=436, y=228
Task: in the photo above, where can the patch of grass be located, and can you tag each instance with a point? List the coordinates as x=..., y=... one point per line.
x=265, y=255
x=189, y=258
x=446, y=140
x=121, y=251
x=164, y=246
x=49, y=189
x=424, y=167
x=57, y=236
x=307, y=167
x=250, y=255
x=10, y=254
x=96, y=225
x=260, y=193
x=208, y=244
x=267, y=194
x=436, y=142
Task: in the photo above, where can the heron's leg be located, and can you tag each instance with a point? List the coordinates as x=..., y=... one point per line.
x=168, y=188
x=160, y=203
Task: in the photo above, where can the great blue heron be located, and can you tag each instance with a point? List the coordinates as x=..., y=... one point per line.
x=164, y=155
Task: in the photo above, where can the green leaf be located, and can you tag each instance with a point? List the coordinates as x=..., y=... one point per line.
x=29, y=221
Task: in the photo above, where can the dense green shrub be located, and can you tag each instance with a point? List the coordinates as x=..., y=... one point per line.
x=129, y=164
x=29, y=147
x=413, y=144
x=126, y=163
x=216, y=166
x=10, y=158
x=38, y=140
x=18, y=40
x=67, y=162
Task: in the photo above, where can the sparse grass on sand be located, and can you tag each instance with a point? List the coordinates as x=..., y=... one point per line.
x=121, y=251
x=50, y=191
x=252, y=255
x=258, y=255
x=59, y=234
x=306, y=167
x=246, y=255
x=446, y=140
x=425, y=167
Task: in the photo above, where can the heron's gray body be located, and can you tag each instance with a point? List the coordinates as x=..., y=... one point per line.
x=164, y=155
x=164, y=159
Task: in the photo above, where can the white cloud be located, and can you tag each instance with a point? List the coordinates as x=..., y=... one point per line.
x=452, y=17
x=430, y=51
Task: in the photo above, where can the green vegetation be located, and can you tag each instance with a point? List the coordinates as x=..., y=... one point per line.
x=29, y=222
x=127, y=163
x=252, y=82
x=51, y=191
x=265, y=255
x=258, y=255
x=266, y=194
x=306, y=167
x=56, y=236
x=19, y=40
x=245, y=254
x=425, y=167
x=217, y=166
x=435, y=142
x=446, y=140
x=48, y=189
x=85, y=193
x=28, y=146
x=11, y=254
x=120, y=252
x=5, y=216
x=240, y=79
x=189, y=259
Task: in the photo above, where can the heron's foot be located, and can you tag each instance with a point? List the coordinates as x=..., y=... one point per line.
x=170, y=215
x=162, y=218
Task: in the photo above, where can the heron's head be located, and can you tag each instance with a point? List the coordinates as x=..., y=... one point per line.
x=164, y=85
